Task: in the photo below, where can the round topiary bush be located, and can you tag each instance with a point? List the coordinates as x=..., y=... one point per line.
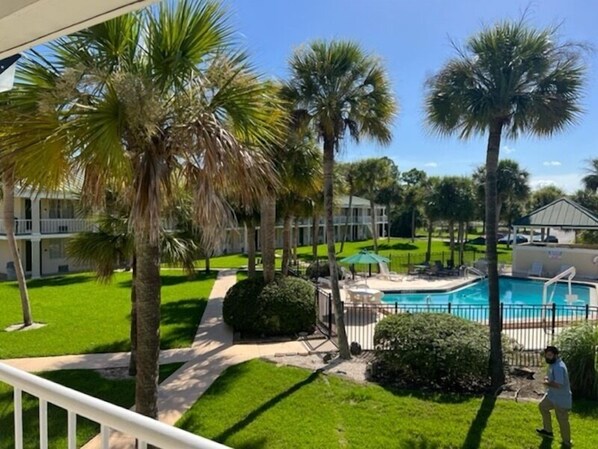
x=579, y=347
x=240, y=307
x=438, y=351
x=285, y=306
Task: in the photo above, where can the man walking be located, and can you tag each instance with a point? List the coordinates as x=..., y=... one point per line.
x=557, y=397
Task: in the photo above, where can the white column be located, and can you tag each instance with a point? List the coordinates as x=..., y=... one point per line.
x=35, y=216
x=36, y=263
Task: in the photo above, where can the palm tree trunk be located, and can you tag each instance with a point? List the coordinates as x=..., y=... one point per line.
x=296, y=243
x=133, y=357
x=413, y=225
x=451, y=230
x=388, y=223
x=429, y=248
x=347, y=217
x=9, y=227
x=250, y=249
x=343, y=343
x=286, y=245
x=268, y=230
x=374, y=228
x=315, y=231
x=496, y=357
x=461, y=239
x=147, y=286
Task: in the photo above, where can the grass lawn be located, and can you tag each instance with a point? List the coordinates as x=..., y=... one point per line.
x=118, y=392
x=84, y=316
x=397, y=248
x=296, y=408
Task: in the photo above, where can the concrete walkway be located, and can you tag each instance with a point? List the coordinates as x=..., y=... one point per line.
x=211, y=353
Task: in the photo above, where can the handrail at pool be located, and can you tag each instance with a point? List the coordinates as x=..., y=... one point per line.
x=109, y=416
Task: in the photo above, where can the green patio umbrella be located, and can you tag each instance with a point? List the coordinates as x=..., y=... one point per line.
x=364, y=257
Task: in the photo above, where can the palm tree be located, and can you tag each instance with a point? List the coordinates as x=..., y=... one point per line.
x=545, y=195
x=336, y=88
x=414, y=181
x=590, y=181
x=149, y=100
x=8, y=193
x=508, y=80
x=347, y=171
x=371, y=176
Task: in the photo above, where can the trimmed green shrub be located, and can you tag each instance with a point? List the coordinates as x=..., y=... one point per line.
x=438, y=351
x=320, y=269
x=288, y=306
x=240, y=307
x=579, y=347
x=285, y=306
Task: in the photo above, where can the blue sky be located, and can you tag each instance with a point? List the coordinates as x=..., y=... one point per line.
x=413, y=39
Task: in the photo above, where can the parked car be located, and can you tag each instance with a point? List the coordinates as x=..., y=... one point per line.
x=551, y=239
x=509, y=239
x=477, y=241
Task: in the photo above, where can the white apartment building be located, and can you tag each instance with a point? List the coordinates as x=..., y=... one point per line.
x=43, y=223
x=360, y=226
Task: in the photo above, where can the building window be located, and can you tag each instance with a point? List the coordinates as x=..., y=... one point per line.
x=56, y=249
x=61, y=209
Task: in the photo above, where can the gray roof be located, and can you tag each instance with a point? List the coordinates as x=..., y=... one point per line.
x=562, y=213
x=357, y=201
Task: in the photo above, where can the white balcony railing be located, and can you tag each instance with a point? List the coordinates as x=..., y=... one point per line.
x=65, y=225
x=110, y=417
x=22, y=226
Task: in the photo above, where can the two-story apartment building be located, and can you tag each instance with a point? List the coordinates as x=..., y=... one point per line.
x=43, y=223
x=360, y=226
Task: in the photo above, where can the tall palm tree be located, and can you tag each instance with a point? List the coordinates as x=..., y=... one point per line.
x=150, y=100
x=371, y=176
x=347, y=171
x=8, y=194
x=337, y=87
x=590, y=181
x=414, y=181
x=509, y=79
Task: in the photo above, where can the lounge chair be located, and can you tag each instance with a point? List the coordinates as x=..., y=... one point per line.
x=536, y=269
x=388, y=275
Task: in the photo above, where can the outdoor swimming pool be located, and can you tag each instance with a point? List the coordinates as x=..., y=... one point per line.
x=524, y=292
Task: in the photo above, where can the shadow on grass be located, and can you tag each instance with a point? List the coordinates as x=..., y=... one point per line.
x=253, y=415
x=419, y=443
x=474, y=434
x=57, y=281
x=183, y=317
x=115, y=346
x=585, y=408
x=175, y=279
x=546, y=443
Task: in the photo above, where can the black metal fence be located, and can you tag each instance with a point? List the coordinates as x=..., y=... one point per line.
x=529, y=328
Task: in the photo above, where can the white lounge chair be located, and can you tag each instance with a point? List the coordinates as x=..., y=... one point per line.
x=388, y=275
x=536, y=269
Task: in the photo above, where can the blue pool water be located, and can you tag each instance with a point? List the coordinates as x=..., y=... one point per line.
x=513, y=291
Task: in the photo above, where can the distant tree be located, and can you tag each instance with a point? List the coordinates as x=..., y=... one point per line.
x=413, y=189
x=372, y=175
x=543, y=196
x=347, y=173
x=590, y=181
x=509, y=79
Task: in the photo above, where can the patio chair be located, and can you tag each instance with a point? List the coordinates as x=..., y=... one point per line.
x=388, y=275
x=536, y=269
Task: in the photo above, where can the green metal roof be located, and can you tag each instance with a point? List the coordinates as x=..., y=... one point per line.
x=562, y=213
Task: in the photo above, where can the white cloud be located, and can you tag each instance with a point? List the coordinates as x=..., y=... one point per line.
x=508, y=150
x=552, y=163
x=569, y=182
x=430, y=164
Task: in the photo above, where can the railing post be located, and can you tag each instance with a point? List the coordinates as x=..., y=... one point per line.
x=18, y=412
x=587, y=312
x=553, y=320
x=396, y=307
x=502, y=315
x=449, y=307
x=329, y=315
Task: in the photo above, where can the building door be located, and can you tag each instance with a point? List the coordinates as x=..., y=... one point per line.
x=28, y=215
x=28, y=254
